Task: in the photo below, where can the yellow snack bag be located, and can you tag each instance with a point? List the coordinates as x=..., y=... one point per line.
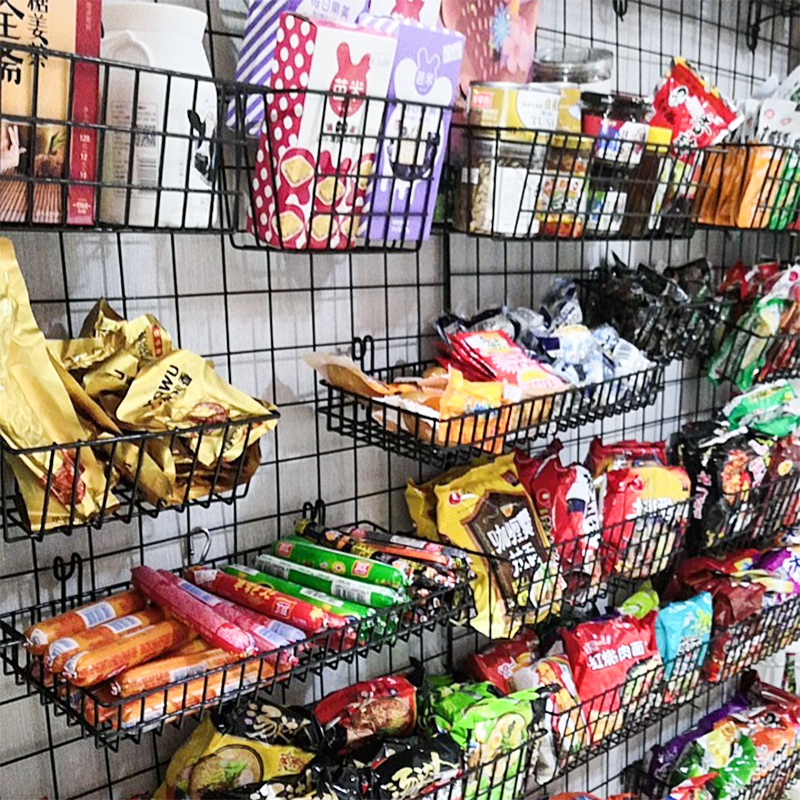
x=487, y=511
x=37, y=411
x=181, y=390
x=467, y=397
x=210, y=759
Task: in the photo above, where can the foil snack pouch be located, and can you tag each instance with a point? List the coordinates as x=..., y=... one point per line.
x=37, y=412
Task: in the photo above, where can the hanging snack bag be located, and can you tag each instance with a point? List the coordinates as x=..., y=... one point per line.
x=683, y=630
x=566, y=502
x=645, y=510
x=443, y=701
x=499, y=662
x=383, y=707
x=565, y=715
x=615, y=664
x=517, y=580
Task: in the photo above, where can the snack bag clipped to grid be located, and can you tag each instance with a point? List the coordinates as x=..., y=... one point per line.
x=181, y=390
x=213, y=759
x=643, y=519
x=517, y=580
x=615, y=664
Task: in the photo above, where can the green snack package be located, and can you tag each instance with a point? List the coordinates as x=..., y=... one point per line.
x=443, y=701
x=301, y=551
x=353, y=591
x=764, y=409
x=738, y=771
x=498, y=736
x=319, y=599
x=641, y=603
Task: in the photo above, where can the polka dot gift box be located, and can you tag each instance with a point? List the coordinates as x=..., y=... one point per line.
x=317, y=148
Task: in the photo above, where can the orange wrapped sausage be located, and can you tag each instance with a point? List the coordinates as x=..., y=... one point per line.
x=198, y=645
x=168, y=670
x=172, y=700
x=39, y=636
x=62, y=649
x=92, y=666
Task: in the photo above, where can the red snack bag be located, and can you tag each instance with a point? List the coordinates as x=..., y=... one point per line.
x=626, y=454
x=193, y=606
x=695, y=111
x=382, y=707
x=567, y=504
x=644, y=518
x=500, y=660
x=615, y=664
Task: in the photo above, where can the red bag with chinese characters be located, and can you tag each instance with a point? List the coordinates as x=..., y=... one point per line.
x=615, y=665
x=498, y=662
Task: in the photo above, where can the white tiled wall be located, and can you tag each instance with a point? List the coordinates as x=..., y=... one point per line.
x=327, y=300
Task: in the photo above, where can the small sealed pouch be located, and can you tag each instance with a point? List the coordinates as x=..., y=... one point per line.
x=626, y=454
x=615, y=664
x=487, y=511
x=443, y=701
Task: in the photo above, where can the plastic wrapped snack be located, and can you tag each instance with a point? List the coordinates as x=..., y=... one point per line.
x=645, y=514
x=487, y=511
x=499, y=662
x=214, y=759
x=443, y=701
x=615, y=664
x=382, y=707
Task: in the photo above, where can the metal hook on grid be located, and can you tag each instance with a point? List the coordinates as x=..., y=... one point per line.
x=64, y=572
x=620, y=7
x=206, y=545
x=363, y=349
x=753, y=24
x=314, y=512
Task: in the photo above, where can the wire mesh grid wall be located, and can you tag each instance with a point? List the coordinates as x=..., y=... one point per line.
x=256, y=313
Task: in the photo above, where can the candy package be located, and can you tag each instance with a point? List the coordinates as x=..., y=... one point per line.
x=645, y=513
x=615, y=664
x=382, y=707
x=443, y=701
x=627, y=454
x=487, y=511
x=499, y=662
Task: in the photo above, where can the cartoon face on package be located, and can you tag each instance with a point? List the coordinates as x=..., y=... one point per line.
x=182, y=390
x=487, y=511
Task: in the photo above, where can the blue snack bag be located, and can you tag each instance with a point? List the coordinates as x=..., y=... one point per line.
x=683, y=631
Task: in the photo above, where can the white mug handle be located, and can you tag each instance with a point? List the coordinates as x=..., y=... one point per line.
x=114, y=41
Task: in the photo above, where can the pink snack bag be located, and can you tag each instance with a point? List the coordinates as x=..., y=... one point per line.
x=316, y=153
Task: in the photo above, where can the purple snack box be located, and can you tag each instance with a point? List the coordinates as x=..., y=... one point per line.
x=426, y=68
x=258, y=45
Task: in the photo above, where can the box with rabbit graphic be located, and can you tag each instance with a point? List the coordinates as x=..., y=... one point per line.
x=319, y=142
x=402, y=197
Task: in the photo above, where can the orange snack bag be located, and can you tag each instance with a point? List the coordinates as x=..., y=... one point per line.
x=39, y=636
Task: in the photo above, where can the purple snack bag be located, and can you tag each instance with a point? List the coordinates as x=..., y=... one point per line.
x=784, y=564
x=402, y=195
x=664, y=757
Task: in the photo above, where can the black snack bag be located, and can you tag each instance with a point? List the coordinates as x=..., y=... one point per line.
x=272, y=723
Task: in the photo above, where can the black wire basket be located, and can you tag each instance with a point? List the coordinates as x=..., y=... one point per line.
x=750, y=518
x=57, y=499
x=109, y=719
x=539, y=184
x=577, y=572
x=458, y=440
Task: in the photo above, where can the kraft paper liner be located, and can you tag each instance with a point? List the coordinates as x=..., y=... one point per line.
x=37, y=412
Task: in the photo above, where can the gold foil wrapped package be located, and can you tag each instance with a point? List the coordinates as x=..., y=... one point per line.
x=37, y=412
x=180, y=391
